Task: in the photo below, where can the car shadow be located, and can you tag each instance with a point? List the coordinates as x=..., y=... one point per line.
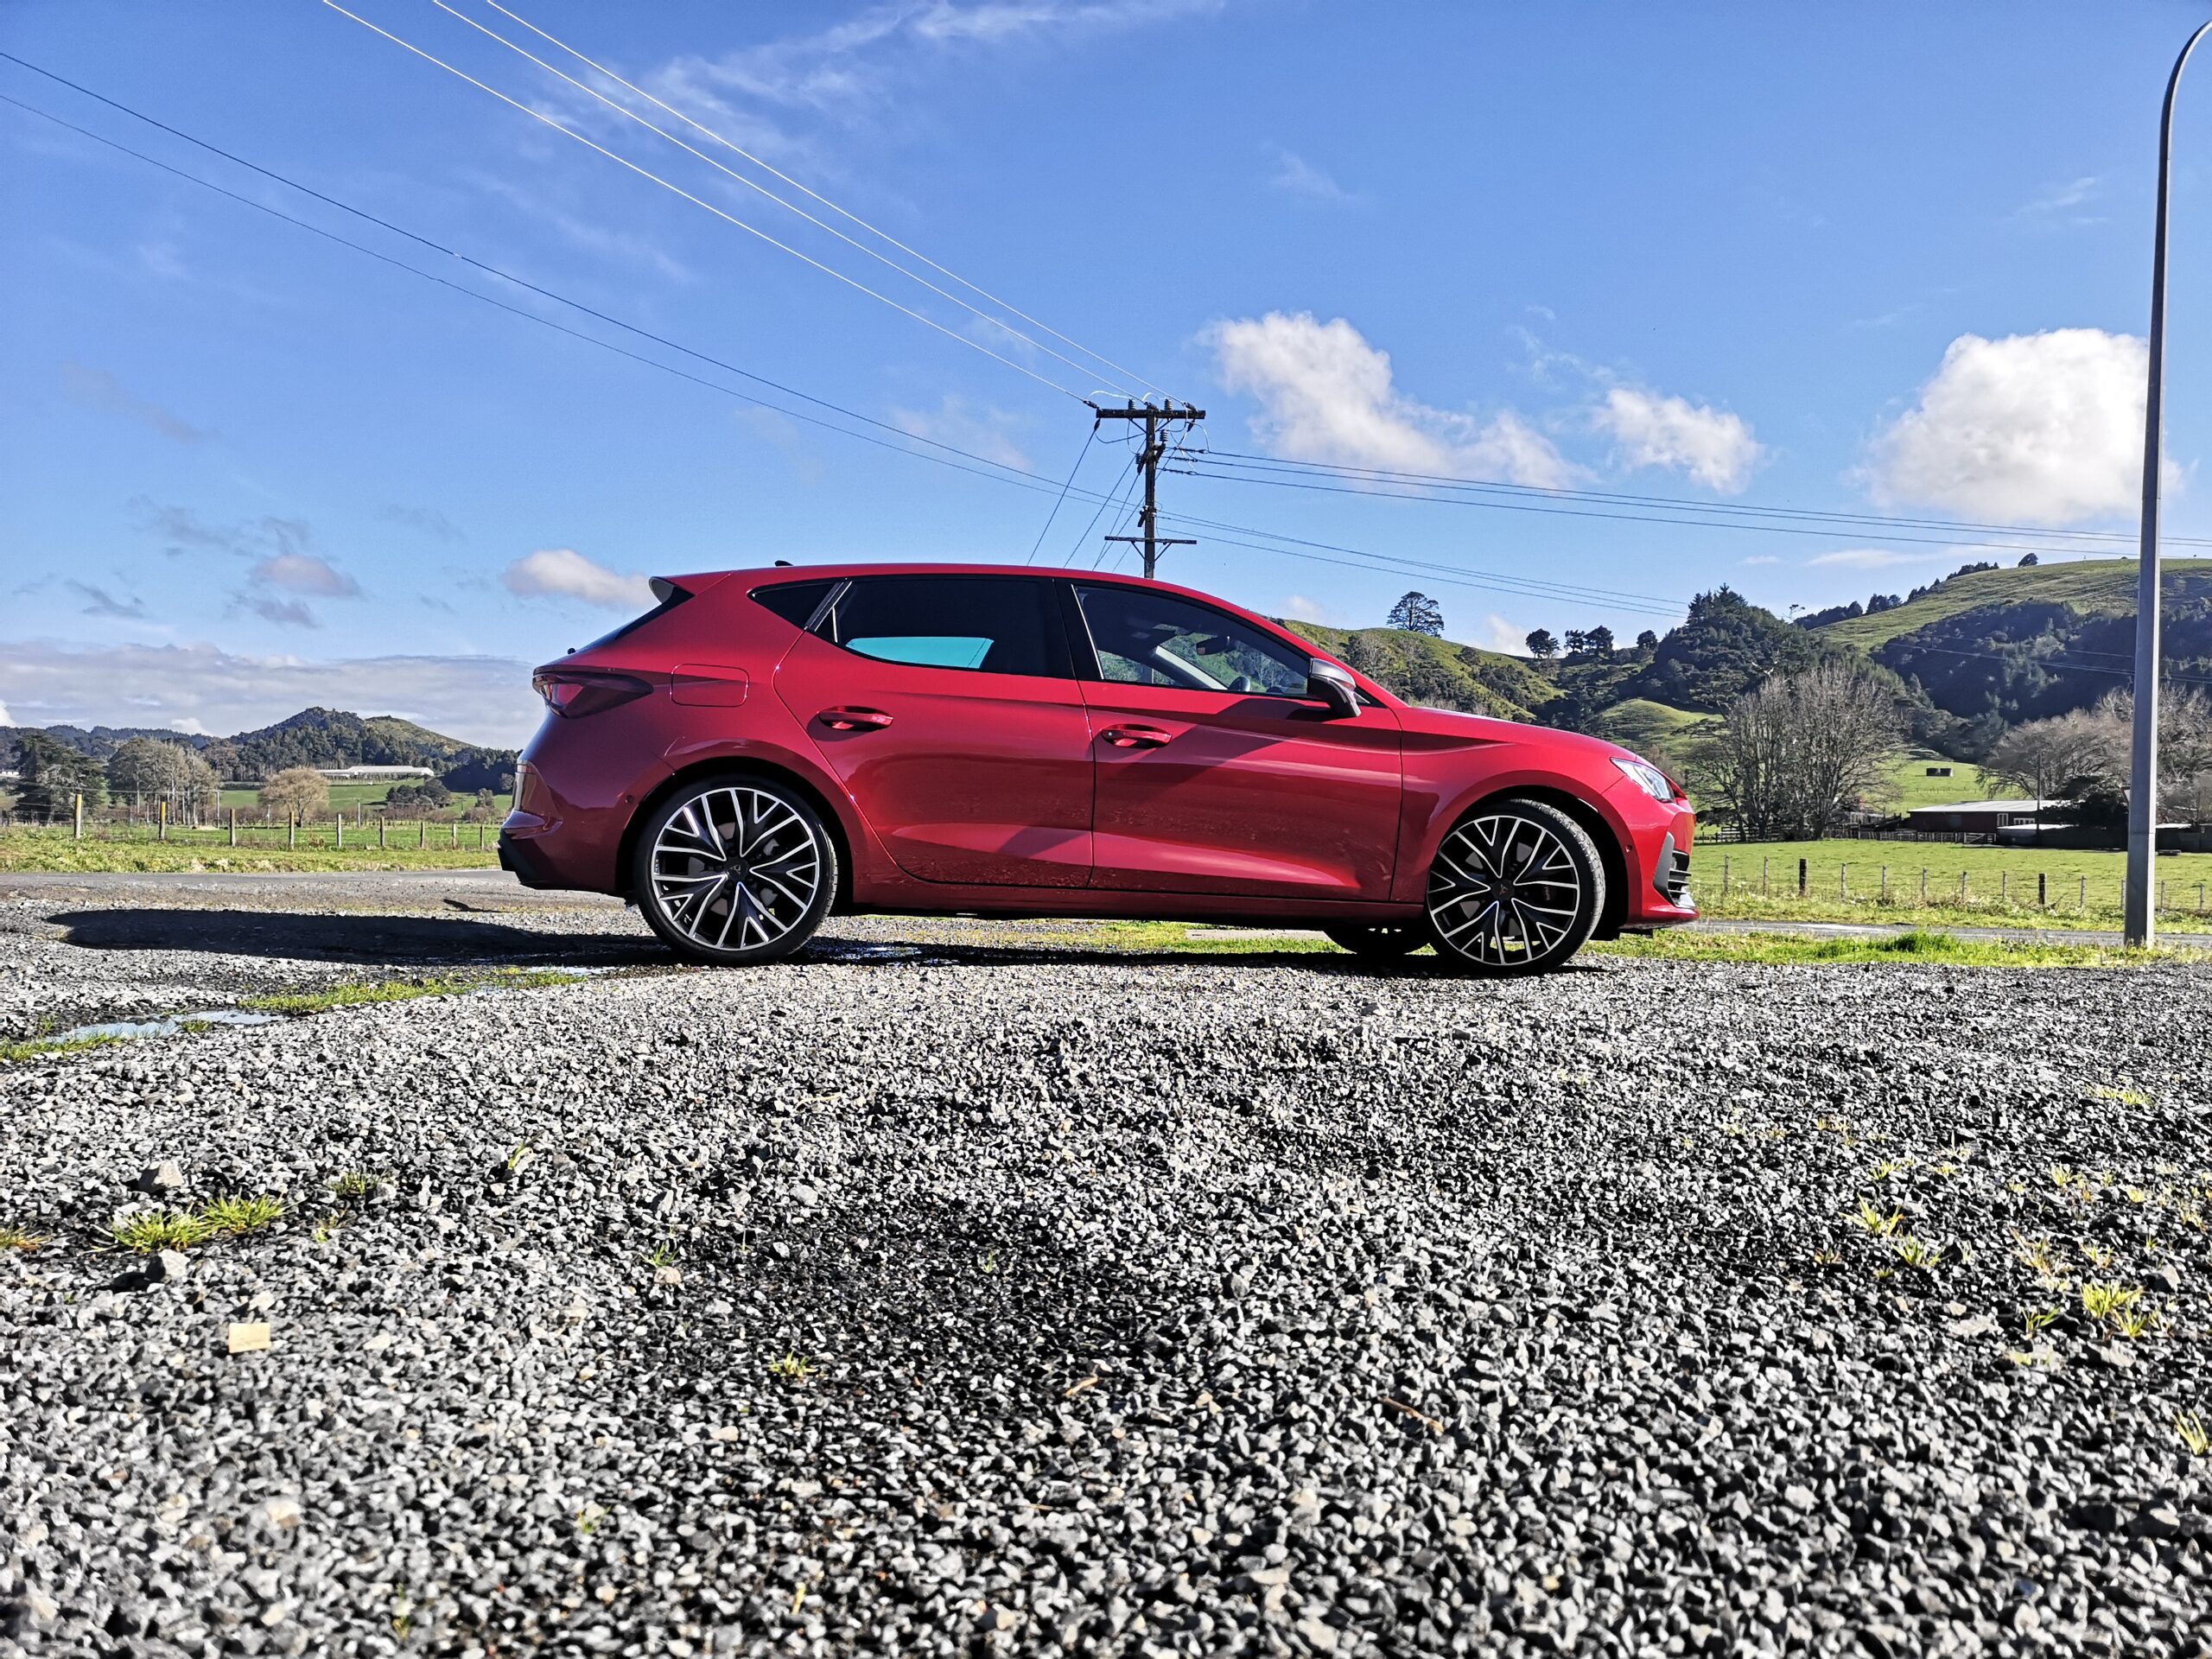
x=397, y=940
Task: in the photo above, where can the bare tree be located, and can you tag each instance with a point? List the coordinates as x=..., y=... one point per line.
x=148, y=769
x=2184, y=746
x=2043, y=757
x=1801, y=750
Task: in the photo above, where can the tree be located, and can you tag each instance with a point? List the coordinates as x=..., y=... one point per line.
x=1802, y=749
x=1417, y=612
x=1541, y=645
x=148, y=771
x=1647, y=640
x=53, y=776
x=2184, y=747
x=1577, y=642
x=2043, y=757
x=1601, y=640
x=2028, y=561
x=428, y=795
x=297, y=791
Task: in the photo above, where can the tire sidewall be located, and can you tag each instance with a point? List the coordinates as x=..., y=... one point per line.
x=649, y=905
x=1589, y=868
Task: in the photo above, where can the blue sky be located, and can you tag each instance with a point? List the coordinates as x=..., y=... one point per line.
x=1865, y=259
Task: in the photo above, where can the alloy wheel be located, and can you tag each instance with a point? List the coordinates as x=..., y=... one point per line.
x=736, y=867
x=1504, y=891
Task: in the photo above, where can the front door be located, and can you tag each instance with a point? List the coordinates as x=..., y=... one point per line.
x=1217, y=774
x=946, y=706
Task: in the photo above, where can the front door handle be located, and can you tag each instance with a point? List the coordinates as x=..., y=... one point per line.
x=854, y=719
x=1136, y=737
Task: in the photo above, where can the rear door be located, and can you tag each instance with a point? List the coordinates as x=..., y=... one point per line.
x=947, y=706
x=1217, y=774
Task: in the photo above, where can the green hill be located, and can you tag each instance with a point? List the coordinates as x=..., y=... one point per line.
x=2090, y=586
x=1438, y=673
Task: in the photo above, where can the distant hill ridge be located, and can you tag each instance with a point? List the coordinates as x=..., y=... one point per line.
x=313, y=737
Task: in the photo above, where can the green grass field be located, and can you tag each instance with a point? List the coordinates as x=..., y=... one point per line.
x=1758, y=881
x=52, y=848
x=348, y=799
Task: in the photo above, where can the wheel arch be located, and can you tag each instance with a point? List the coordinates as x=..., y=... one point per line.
x=739, y=766
x=1602, y=832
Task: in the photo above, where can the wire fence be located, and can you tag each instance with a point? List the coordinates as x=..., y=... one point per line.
x=337, y=831
x=1736, y=878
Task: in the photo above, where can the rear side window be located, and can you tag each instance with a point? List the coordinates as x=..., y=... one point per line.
x=795, y=601
x=993, y=625
x=667, y=594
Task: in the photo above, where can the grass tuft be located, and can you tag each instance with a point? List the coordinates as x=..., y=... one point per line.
x=355, y=1185
x=404, y=990
x=791, y=1368
x=234, y=1216
x=15, y=1238
x=163, y=1229
x=46, y=1048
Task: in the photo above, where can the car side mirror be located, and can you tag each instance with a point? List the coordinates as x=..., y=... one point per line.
x=1327, y=683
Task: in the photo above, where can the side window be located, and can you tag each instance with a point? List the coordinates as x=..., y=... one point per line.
x=795, y=601
x=996, y=624
x=1144, y=638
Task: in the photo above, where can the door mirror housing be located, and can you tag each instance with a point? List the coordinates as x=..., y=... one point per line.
x=1327, y=683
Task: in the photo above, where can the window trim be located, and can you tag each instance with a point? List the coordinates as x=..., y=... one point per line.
x=1087, y=666
x=1059, y=658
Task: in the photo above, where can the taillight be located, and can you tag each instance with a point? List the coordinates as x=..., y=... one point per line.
x=575, y=694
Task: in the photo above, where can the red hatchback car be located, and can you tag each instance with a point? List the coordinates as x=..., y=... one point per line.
x=766, y=747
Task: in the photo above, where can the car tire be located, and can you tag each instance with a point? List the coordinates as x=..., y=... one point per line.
x=1516, y=888
x=734, y=870
x=1379, y=943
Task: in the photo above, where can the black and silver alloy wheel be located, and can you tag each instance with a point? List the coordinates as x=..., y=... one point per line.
x=1516, y=888
x=734, y=870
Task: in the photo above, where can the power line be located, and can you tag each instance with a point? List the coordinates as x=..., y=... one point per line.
x=1441, y=481
x=951, y=456
x=750, y=184
x=1089, y=438
x=735, y=148
x=1623, y=517
x=678, y=190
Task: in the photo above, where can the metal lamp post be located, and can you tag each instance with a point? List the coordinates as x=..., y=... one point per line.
x=2143, y=770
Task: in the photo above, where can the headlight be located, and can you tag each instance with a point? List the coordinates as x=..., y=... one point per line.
x=1646, y=777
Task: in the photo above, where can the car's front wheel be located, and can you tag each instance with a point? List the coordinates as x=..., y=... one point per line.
x=734, y=870
x=1517, y=888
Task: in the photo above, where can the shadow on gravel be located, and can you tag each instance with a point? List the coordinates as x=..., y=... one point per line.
x=1332, y=965
x=399, y=940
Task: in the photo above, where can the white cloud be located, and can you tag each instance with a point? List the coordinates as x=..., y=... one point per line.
x=1296, y=176
x=303, y=573
x=1712, y=447
x=2060, y=201
x=979, y=431
x=1508, y=637
x=1326, y=394
x=202, y=688
x=1298, y=608
x=6, y=718
x=565, y=572
x=2044, y=429
x=1868, y=558
x=1764, y=558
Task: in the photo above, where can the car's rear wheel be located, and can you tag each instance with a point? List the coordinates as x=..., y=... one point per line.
x=1516, y=888
x=1381, y=943
x=734, y=870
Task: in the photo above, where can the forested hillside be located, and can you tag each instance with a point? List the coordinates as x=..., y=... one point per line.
x=313, y=737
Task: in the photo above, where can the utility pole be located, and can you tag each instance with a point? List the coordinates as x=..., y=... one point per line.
x=1155, y=417
x=2142, y=911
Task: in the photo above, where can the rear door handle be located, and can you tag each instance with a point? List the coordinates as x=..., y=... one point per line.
x=854, y=719
x=1136, y=737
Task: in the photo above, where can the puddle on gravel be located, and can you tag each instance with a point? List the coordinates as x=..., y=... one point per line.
x=168, y=1025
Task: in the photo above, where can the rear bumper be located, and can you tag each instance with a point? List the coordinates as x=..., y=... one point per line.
x=527, y=863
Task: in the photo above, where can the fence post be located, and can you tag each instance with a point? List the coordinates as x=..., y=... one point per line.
x=1923, y=884
x=80, y=818
x=234, y=826
x=456, y=834
x=2003, y=887
x=1724, y=868
x=1763, y=864
x=484, y=834
x=163, y=833
x=1885, y=884
x=423, y=833
x=2043, y=891
x=1801, y=868
x=2200, y=897
x=291, y=830
x=1843, y=881
x=338, y=829
x=380, y=833
x=2162, y=895
x=2081, y=898
x=1962, y=886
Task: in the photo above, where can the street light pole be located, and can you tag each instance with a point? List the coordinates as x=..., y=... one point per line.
x=2143, y=769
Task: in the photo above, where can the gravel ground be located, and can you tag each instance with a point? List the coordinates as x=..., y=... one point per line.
x=1006, y=1296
